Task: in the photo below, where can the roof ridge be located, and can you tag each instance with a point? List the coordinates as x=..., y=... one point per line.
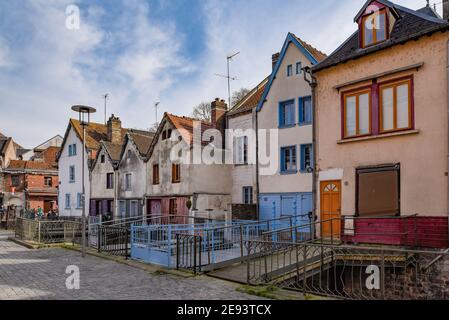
x=188, y=118
x=306, y=44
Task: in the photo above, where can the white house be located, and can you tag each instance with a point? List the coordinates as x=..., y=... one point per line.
x=286, y=105
x=241, y=119
x=70, y=161
x=132, y=185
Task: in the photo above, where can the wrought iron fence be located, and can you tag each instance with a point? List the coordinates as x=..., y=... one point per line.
x=349, y=272
x=188, y=252
x=114, y=240
x=47, y=231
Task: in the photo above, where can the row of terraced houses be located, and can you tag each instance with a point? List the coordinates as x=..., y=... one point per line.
x=362, y=132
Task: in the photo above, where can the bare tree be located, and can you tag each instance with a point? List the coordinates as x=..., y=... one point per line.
x=238, y=95
x=202, y=111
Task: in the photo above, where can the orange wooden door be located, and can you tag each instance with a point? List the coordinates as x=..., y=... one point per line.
x=330, y=204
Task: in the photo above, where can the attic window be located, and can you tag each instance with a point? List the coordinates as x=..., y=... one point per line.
x=102, y=158
x=374, y=28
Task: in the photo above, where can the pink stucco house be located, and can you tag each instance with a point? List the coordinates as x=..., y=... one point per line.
x=382, y=129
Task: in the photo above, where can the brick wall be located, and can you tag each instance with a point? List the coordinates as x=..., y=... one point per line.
x=8, y=183
x=38, y=181
x=244, y=212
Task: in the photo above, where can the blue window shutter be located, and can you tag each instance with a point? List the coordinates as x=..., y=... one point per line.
x=281, y=116
x=303, y=155
x=301, y=111
x=294, y=156
x=282, y=159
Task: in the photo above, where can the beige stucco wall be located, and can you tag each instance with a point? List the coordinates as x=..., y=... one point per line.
x=423, y=156
x=243, y=175
x=286, y=88
x=99, y=176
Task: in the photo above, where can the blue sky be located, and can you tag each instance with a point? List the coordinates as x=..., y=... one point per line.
x=145, y=51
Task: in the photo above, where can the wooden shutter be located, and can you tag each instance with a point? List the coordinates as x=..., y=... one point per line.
x=378, y=191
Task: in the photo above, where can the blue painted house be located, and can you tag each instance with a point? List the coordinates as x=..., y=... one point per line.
x=284, y=120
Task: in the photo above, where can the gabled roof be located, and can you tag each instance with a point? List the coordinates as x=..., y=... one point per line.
x=142, y=140
x=384, y=2
x=183, y=124
x=311, y=53
x=95, y=133
x=251, y=100
x=410, y=25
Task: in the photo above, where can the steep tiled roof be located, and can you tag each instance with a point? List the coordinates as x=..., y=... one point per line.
x=95, y=133
x=30, y=165
x=185, y=125
x=409, y=26
x=251, y=100
x=114, y=150
x=317, y=54
x=142, y=141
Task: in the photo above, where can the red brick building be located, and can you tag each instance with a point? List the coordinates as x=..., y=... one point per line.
x=33, y=184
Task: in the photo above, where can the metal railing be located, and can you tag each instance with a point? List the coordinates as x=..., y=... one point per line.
x=221, y=243
x=400, y=231
x=348, y=272
x=113, y=240
x=47, y=232
x=188, y=252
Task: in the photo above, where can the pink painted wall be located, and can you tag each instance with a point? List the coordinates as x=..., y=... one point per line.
x=422, y=154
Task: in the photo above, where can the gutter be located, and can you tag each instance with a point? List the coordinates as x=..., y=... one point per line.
x=313, y=84
x=447, y=136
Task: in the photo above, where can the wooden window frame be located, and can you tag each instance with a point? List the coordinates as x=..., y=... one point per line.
x=48, y=179
x=176, y=173
x=173, y=206
x=362, y=27
x=357, y=93
x=395, y=83
x=156, y=174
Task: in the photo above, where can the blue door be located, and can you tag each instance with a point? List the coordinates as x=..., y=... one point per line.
x=269, y=207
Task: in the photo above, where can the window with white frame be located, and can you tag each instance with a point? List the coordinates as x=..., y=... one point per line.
x=247, y=195
x=241, y=150
x=79, y=201
x=72, y=174
x=128, y=182
x=67, y=201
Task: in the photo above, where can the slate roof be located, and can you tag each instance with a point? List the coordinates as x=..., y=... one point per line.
x=251, y=100
x=412, y=24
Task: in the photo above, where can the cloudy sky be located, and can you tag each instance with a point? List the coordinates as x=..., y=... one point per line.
x=142, y=51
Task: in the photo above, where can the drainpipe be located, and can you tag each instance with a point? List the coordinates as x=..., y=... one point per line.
x=257, y=166
x=447, y=136
x=313, y=84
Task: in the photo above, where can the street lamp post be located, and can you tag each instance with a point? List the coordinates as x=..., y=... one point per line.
x=83, y=113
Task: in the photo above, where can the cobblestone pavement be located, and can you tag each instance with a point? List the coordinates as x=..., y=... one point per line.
x=40, y=274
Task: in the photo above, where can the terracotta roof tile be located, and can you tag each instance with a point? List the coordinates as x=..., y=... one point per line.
x=95, y=133
x=317, y=54
x=186, y=124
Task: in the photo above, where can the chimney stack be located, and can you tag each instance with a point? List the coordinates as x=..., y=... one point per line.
x=446, y=10
x=114, y=130
x=218, y=110
x=274, y=59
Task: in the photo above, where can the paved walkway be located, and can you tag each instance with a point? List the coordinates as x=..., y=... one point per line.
x=40, y=274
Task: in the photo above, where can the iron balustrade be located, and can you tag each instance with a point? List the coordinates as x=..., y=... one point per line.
x=348, y=272
x=189, y=252
x=47, y=231
x=113, y=240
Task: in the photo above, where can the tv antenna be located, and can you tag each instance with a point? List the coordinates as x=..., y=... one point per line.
x=228, y=76
x=105, y=97
x=156, y=105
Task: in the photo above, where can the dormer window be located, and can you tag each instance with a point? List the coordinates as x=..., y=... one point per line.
x=374, y=28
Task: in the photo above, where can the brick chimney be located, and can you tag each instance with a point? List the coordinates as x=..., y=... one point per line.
x=218, y=110
x=446, y=9
x=274, y=59
x=114, y=130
